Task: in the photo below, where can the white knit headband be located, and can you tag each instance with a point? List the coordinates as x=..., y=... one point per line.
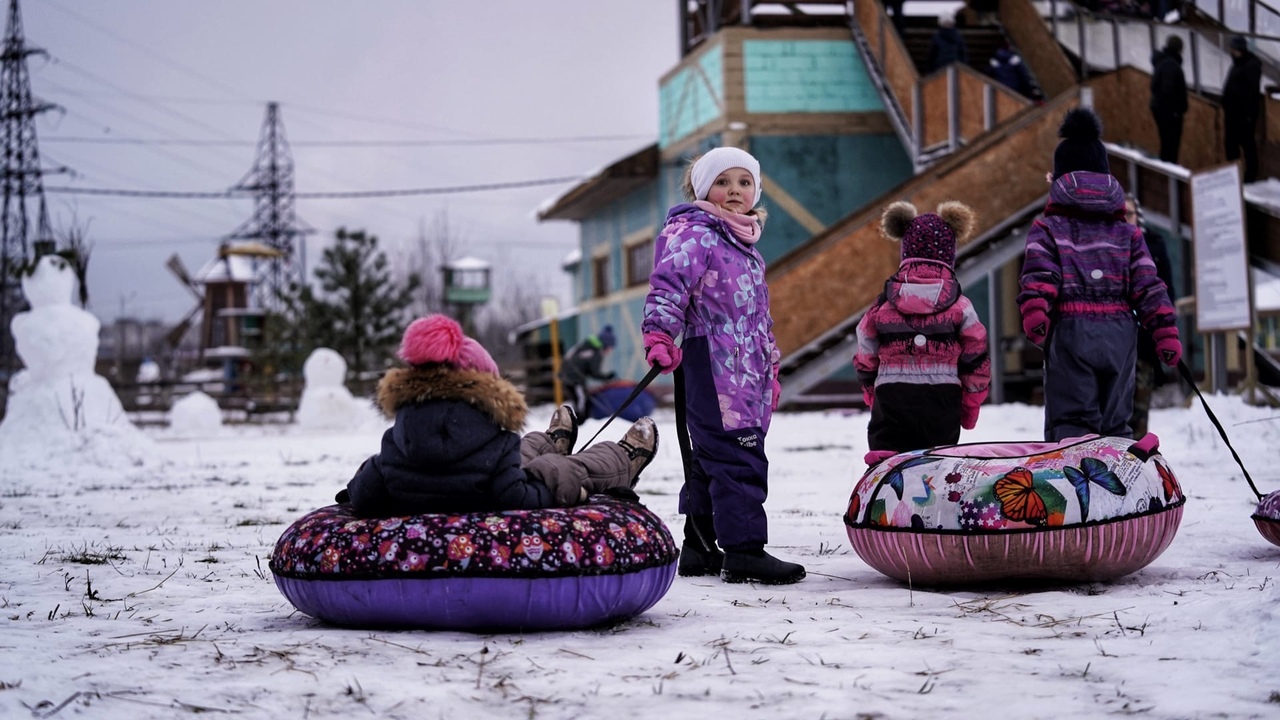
x=709, y=166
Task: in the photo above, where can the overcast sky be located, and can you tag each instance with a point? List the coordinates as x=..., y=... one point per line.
x=380, y=70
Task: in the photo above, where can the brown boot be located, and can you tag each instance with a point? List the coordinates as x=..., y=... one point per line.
x=563, y=429
x=640, y=442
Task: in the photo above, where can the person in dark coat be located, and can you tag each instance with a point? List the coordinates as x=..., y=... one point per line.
x=947, y=45
x=455, y=445
x=1007, y=68
x=1169, y=97
x=583, y=363
x=894, y=9
x=1241, y=102
x=1149, y=373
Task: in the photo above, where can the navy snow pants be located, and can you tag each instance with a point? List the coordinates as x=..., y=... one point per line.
x=1089, y=376
x=728, y=477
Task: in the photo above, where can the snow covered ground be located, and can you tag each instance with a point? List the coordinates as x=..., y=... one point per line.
x=143, y=592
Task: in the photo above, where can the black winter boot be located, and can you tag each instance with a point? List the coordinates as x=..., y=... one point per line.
x=699, y=555
x=759, y=566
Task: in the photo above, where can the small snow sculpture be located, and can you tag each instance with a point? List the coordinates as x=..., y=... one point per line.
x=326, y=402
x=196, y=414
x=148, y=372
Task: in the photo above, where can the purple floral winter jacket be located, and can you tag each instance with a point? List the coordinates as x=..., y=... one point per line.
x=1084, y=259
x=705, y=283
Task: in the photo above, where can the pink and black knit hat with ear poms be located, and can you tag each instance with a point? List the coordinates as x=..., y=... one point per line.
x=931, y=236
x=437, y=339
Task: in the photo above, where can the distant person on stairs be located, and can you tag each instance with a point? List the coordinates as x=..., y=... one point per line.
x=894, y=8
x=947, y=45
x=1006, y=67
x=1169, y=96
x=1241, y=102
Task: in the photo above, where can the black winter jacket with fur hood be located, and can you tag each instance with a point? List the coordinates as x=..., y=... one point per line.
x=455, y=447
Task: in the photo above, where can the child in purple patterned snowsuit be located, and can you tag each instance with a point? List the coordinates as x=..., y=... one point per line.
x=1087, y=281
x=922, y=352
x=708, y=285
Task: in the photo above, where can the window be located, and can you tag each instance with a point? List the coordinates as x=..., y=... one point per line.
x=639, y=262
x=600, y=276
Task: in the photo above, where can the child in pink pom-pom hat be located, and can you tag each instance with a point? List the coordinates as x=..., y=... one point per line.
x=455, y=445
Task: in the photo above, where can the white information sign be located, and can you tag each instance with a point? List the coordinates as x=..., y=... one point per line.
x=1222, y=261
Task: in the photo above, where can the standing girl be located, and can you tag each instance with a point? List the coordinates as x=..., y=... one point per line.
x=708, y=285
x=922, y=352
x=1087, y=281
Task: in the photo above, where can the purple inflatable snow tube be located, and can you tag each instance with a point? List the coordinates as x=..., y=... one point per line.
x=518, y=570
x=467, y=603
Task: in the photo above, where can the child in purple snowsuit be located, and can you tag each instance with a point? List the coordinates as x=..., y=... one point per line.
x=1087, y=281
x=708, y=285
x=922, y=352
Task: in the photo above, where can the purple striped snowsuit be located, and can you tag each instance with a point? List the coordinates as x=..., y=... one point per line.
x=1091, y=273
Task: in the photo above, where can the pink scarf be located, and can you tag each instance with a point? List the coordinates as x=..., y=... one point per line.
x=745, y=227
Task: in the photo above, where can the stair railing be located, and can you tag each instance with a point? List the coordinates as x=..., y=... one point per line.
x=1104, y=42
x=937, y=114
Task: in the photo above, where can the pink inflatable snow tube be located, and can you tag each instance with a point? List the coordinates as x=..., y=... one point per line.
x=1086, y=509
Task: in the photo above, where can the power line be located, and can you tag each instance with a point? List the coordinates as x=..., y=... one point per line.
x=195, y=142
x=340, y=195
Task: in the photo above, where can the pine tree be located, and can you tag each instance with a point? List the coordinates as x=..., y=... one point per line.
x=359, y=310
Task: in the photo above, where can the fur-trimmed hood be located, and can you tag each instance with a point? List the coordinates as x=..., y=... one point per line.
x=488, y=393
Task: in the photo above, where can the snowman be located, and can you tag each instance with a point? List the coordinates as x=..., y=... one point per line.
x=58, y=397
x=326, y=402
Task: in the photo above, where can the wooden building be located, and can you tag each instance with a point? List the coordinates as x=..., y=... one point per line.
x=791, y=89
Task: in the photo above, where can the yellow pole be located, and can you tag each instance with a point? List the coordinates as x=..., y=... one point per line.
x=555, y=360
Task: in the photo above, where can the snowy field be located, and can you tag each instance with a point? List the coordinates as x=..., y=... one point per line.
x=144, y=593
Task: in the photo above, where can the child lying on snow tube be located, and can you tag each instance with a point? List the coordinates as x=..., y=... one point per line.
x=414, y=515
x=455, y=448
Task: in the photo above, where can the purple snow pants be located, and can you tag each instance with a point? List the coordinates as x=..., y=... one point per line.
x=728, y=477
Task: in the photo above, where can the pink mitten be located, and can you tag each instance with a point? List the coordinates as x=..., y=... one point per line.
x=1170, y=350
x=969, y=414
x=875, y=457
x=661, y=351
x=777, y=394
x=868, y=396
x=1035, y=325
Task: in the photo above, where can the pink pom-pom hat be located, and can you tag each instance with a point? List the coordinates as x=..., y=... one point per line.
x=439, y=339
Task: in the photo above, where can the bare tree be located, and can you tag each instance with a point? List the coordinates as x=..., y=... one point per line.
x=517, y=300
x=435, y=245
x=75, y=239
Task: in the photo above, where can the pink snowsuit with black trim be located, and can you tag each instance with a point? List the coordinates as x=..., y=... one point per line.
x=922, y=359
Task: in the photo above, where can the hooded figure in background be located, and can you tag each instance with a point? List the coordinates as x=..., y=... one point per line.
x=1169, y=97
x=1241, y=103
x=582, y=363
x=1007, y=68
x=947, y=45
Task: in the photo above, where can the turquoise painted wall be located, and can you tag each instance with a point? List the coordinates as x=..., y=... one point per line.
x=830, y=175
x=691, y=98
x=807, y=76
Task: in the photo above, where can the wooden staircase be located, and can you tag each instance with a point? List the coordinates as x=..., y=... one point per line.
x=819, y=290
